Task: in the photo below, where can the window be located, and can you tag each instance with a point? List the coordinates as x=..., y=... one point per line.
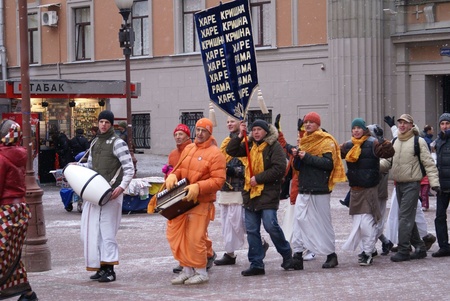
x=83, y=33
x=190, y=119
x=190, y=39
x=261, y=22
x=252, y=115
x=33, y=37
x=140, y=23
x=141, y=130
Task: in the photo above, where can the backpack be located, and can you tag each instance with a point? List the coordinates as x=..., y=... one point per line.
x=416, y=153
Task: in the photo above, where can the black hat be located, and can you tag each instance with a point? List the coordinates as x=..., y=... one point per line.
x=79, y=131
x=262, y=124
x=108, y=115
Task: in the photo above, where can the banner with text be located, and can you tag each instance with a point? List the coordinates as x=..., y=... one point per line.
x=228, y=53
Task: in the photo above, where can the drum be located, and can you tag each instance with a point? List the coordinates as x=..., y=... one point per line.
x=88, y=184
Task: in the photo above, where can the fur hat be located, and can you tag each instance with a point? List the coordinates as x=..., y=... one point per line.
x=406, y=117
x=205, y=123
x=262, y=124
x=313, y=117
x=444, y=117
x=10, y=132
x=108, y=115
x=359, y=122
x=184, y=128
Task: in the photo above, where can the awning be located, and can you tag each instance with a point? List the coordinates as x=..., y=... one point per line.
x=49, y=5
x=48, y=88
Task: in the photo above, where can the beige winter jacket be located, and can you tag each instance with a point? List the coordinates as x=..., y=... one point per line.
x=405, y=166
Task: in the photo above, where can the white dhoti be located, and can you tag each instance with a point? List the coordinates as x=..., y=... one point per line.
x=233, y=229
x=364, y=232
x=313, y=229
x=99, y=226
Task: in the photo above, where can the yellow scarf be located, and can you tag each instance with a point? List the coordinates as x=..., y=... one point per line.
x=320, y=142
x=256, y=155
x=223, y=148
x=354, y=153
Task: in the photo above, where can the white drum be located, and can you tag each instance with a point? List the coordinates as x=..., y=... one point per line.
x=88, y=184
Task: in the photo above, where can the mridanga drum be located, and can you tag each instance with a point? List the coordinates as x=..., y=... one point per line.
x=88, y=184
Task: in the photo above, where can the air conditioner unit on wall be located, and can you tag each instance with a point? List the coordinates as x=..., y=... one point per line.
x=49, y=18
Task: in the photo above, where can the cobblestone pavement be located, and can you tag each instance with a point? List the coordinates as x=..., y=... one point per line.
x=146, y=263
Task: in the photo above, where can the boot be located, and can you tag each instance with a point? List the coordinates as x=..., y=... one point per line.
x=429, y=240
x=331, y=262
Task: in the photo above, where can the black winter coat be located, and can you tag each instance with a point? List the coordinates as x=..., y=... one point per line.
x=443, y=161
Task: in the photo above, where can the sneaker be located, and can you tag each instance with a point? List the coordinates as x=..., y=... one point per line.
x=374, y=253
x=225, y=260
x=98, y=275
x=108, y=276
x=253, y=272
x=365, y=260
x=197, y=279
x=429, y=240
x=441, y=253
x=177, y=269
x=308, y=255
x=25, y=297
x=398, y=257
x=331, y=262
x=180, y=279
x=210, y=261
x=418, y=254
x=385, y=248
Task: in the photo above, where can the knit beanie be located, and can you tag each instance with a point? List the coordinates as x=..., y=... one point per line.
x=359, y=122
x=262, y=124
x=313, y=117
x=10, y=132
x=205, y=123
x=444, y=117
x=123, y=124
x=184, y=128
x=108, y=115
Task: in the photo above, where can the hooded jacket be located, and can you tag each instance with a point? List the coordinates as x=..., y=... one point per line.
x=12, y=173
x=274, y=160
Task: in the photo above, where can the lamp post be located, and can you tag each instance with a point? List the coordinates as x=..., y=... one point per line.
x=36, y=254
x=126, y=40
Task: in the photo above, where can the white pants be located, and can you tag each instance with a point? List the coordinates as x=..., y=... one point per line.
x=99, y=226
x=392, y=221
x=233, y=229
x=364, y=231
x=313, y=229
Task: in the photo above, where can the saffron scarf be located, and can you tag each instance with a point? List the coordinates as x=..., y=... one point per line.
x=256, y=155
x=320, y=142
x=354, y=153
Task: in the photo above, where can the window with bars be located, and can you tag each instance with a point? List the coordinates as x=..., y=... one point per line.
x=33, y=38
x=141, y=130
x=190, y=119
x=261, y=25
x=190, y=39
x=140, y=23
x=252, y=115
x=83, y=32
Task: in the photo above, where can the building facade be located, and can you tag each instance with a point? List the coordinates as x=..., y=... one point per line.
x=340, y=58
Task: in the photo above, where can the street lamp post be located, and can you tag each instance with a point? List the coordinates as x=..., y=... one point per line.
x=36, y=254
x=126, y=40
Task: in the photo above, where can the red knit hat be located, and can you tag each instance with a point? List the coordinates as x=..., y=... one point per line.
x=184, y=128
x=313, y=117
x=205, y=123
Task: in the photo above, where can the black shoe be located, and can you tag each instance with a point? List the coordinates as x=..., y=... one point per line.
x=441, y=253
x=25, y=297
x=225, y=260
x=331, y=262
x=177, y=269
x=98, y=274
x=253, y=272
x=109, y=276
x=297, y=261
x=418, y=254
x=429, y=240
x=386, y=248
x=210, y=261
x=365, y=259
x=346, y=204
x=374, y=253
x=398, y=257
